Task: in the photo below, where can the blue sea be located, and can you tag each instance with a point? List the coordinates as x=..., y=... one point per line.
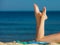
x=22, y=25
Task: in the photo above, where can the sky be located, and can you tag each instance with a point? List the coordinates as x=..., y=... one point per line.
x=27, y=5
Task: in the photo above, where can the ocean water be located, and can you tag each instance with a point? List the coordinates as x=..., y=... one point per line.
x=22, y=25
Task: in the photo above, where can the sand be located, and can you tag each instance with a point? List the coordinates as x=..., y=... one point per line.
x=14, y=43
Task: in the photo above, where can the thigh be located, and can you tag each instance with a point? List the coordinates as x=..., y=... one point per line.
x=51, y=38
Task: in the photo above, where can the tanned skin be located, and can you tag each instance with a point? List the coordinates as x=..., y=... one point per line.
x=40, y=20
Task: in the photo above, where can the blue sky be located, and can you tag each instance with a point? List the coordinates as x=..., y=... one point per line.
x=27, y=5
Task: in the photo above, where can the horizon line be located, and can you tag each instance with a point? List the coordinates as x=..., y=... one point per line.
x=29, y=11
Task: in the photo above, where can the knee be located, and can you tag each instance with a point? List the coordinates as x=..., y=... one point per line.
x=40, y=39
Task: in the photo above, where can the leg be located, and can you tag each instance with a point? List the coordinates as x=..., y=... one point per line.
x=51, y=38
x=37, y=16
x=40, y=30
x=40, y=18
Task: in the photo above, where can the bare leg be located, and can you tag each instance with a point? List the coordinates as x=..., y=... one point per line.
x=52, y=38
x=37, y=16
x=40, y=30
x=40, y=18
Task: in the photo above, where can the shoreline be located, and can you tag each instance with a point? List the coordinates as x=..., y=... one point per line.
x=14, y=43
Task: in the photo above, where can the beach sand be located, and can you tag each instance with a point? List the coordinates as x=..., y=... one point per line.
x=14, y=43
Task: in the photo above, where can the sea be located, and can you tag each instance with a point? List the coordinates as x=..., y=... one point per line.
x=21, y=25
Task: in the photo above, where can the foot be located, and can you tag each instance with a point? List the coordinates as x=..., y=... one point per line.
x=39, y=14
x=43, y=15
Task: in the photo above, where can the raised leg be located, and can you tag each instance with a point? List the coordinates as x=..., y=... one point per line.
x=40, y=19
